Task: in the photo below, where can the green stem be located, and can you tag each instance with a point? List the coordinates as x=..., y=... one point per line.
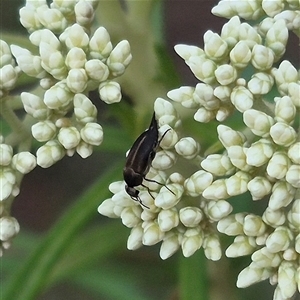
x=30, y=280
x=193, y=277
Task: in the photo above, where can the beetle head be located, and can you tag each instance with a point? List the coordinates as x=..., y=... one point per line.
x=132, y=192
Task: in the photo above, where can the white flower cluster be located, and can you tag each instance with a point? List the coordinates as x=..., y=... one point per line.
x=263, y=160
x=71, y=62
x=9, y=72
x=12, y=166
x=180, y=218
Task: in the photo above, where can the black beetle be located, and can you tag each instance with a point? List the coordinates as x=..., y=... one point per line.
x=139, y=160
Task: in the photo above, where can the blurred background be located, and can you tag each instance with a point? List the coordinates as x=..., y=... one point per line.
x=97, y=264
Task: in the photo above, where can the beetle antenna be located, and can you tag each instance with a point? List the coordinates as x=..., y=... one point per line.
x=163, y=136
x=151, y=180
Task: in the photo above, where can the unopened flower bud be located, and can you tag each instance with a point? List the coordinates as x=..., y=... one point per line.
x=43, y=131
x=282, y=195
x=283, y=134
x=92, y=133
x=9, y=228
x=69, y=137
x=96, y=70
x=240, y=55
x=214, y=47
x=259, y=153
x=191, y=241
x=6, y=153
x=24, y=162
x=190, y=216
x=100, y=44
x=217, y=210
x=259, y=187
x=7, y=182
x=184, y=95
x=187, y=147
x=84, y=110
x=110, y=92
x=285, y=110
x=49, y=154
x=241, y=98
x=197, y=183
x=168, y=219
x=84, y=13
x=217, y=164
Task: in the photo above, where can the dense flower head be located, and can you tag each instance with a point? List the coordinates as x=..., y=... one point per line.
x=72, y=60
x=238, y=69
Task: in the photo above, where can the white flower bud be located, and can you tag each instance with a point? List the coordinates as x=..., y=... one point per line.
x=76, y=58
x=259, y=122
x=106, y=208
x=51, y=18
x=222, y=92
x=203, y=115
x=229, y=137
x=237, y=183
x=262, y=57
x=49, y=154
x=217, y=190
x=84, y=150
x=184, y=95
x=259, y=153
x=266, y=259
x=285, y=110
x=226, y=74
x=191, y=241
x=24, y=162
x=204, y=95
x=283, y=134
x=274, y=218
x=214, y=47
x=223, y=9
x=293, y=153
x=253, y=274
x=277, y=36
x=238, y=157
x=84, y=13
x=6, y=153
x=7, y=182
x=187, y=147
x=29, y=64
x=47, y=36
x=135, y=238
x=186, y=51
x=190, y=216
x=84, y=110
x=119, y=58
x=96, y=70
x=164, y=160
x=131, y=216
x=297, y=249
x=202, y=68
x=5, y=54
x=9, y=228
x=152, y=234
x=170, y=137
x=230, y=30
x=212, y=247
x=259, y=187
x=293, y=176
x=240, y=55
x=69, y=137
x=291, y=18
x=282, y=195
x=100, y=45
x=293, y=92
x=217, y=164
x=43, y=131
x=278, y=165
x=165, y=199
x=77, y=80
x=165, y=112
x=254, y=225
x=75, y=36
x=285, y=74
x=169, y=245
x=197, y=183
x=232, y=225
x=52, y=61
x=241, y=246
x=35, y=106
x=223, y=113
x=260, y=83
x=241, y=98
x=287, y=279
x=110, y=92
x=29, y=19
x=8, y=77
x=249, y=34
x=217, y=210
x=168, y=219
x=279, y=240
x=92, y=133
x=272, y=8
x=293, y=216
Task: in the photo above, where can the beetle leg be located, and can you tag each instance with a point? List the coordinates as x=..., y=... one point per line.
x=151, y=180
